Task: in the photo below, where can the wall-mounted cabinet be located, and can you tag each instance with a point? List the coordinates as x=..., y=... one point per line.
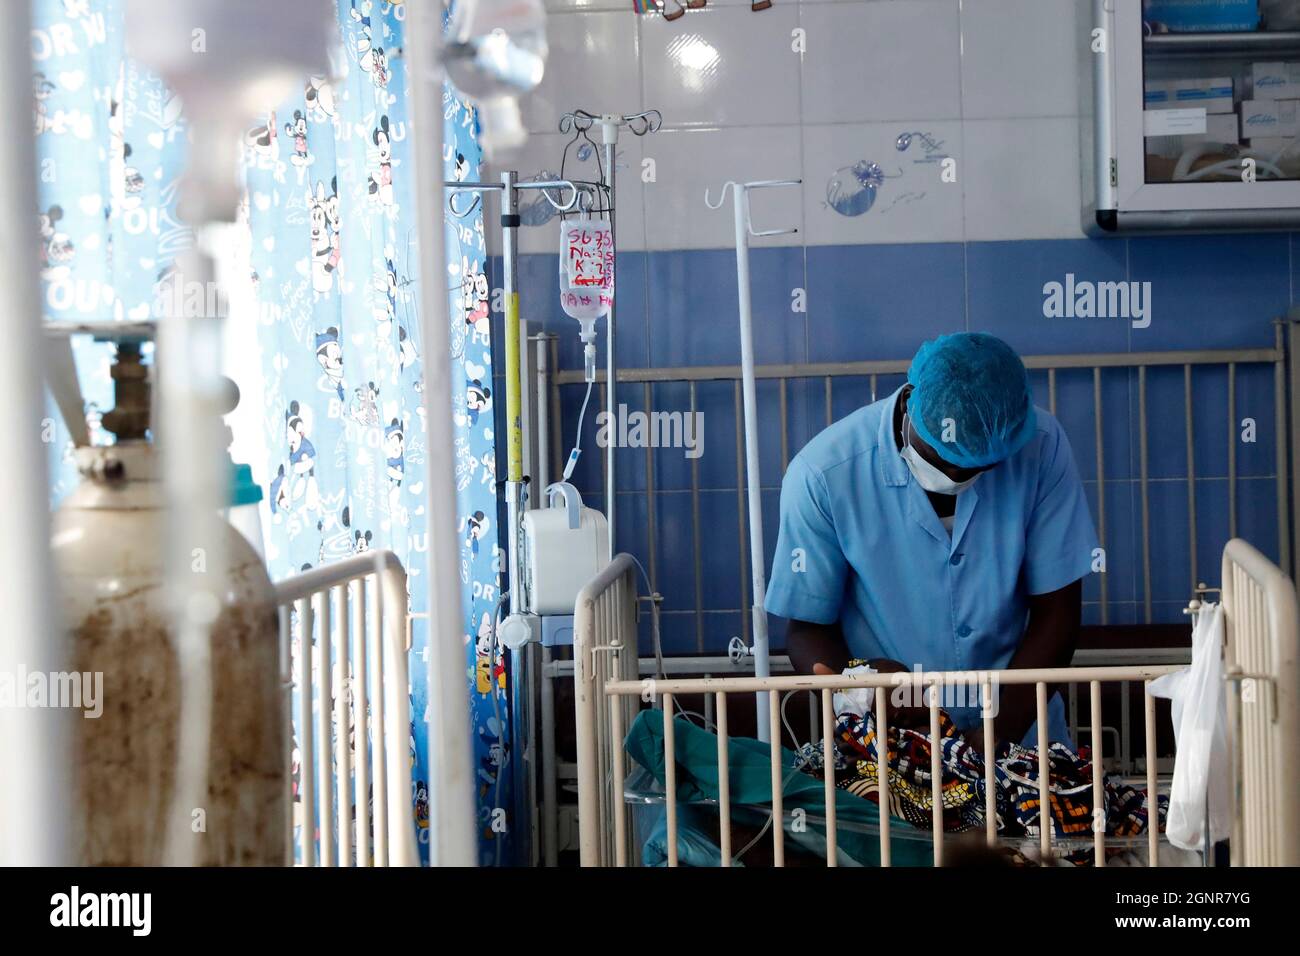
x=1189, y=131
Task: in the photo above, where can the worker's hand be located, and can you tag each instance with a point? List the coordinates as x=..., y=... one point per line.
x=915, y=718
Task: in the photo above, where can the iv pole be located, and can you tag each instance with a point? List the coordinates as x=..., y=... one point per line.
x=520, y=631
x=509, y=188
x=610, y=123
x=757, y=556
x=522, y=653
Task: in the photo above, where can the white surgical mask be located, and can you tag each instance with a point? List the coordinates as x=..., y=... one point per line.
x=927, y=475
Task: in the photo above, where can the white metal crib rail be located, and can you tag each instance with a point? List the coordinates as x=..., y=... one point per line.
x=1260, y=601
x=347, y=622
x=1262, y=664
x=604, y=647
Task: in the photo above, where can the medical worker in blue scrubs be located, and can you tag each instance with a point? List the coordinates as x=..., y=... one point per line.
x=944, y=527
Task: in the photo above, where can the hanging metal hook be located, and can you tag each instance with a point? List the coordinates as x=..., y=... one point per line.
x=740, y=193
x=591, y=195
x=641, y=123
x=558, y=185
x=579, y=120
x=647, y=121
x=461, y=214
x=769, y=184
x=454, y=189
x=729, y=184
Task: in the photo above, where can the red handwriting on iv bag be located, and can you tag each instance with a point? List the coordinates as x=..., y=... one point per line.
x=586, y=301
x=586, y=268
x=590, y=256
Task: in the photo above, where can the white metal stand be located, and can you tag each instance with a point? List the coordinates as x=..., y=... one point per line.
x=453, y=837
x=35, y=761
x=744, y=230
x=518, y=632
x=609, y=141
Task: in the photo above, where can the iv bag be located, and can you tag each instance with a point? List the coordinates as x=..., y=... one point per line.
x=586, y=268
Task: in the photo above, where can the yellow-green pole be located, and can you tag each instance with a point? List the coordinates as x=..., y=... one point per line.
x=514, y=416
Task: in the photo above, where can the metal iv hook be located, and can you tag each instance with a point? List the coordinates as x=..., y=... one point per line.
x=454, y=189
x=740, y=193
x=648, y=121
x=575, y=192
x=462, y=213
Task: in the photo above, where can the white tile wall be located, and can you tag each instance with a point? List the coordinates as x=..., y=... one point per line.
x=1019, y=58
x=872, y=60
x=996, y=81
x=591, y=64
x=1021, y=179
x=723, y=66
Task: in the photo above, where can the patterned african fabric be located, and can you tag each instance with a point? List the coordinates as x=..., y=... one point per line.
x=962, y=787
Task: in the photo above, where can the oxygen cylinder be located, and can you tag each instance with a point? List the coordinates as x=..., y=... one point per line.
x=107, y=546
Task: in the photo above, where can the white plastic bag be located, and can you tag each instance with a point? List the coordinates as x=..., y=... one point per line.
x=854, y=700
x=1201, y=770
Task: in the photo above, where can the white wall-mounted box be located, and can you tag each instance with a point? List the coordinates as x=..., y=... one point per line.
x=1131, y=190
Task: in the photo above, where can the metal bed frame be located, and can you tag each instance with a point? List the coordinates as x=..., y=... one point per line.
x=1284, y=357
x=1261, y=652
x=353, y=636
x=1262, y=667
x=544, y=421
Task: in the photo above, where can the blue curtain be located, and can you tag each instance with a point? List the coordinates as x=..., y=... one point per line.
x=334, y=270
x=110, y=144
x=334, y=260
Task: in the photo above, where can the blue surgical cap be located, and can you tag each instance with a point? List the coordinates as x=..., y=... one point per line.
x=972, y=389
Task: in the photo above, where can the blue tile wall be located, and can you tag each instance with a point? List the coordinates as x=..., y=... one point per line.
x=880, y=302
x=1005, y=293
x=864, y=302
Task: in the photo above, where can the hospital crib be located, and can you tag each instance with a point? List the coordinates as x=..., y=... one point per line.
x=1148, y=521
x=344, y=642
x=1262, y=666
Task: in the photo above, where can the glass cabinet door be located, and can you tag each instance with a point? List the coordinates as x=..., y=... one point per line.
x=1205, y=121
